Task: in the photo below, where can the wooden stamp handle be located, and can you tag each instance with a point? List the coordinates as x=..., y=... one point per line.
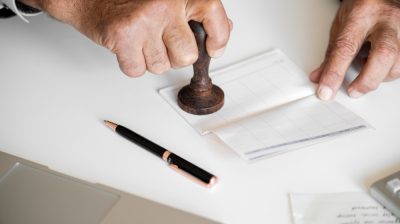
x=201, y=81
x=201, y=97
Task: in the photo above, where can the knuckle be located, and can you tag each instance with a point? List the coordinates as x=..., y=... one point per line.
x=185, y=60
x=345, y=47
x=333, y=76
x=133, y=70
x=214, y=5
x=115, y=29
x=368, y=86
x=122, y=29
x=220, y=40
x=182, y=48
x=393, y=76
x=157, y=56
x=328, y=52
x=176, y=38
x=386, y=49
x=159, y=67
x=115, y=37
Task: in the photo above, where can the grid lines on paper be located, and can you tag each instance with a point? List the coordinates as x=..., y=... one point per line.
x=298, y=120
x=305, y=120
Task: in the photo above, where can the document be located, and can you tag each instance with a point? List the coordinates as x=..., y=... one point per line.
x=270, y=108
x=339, y=208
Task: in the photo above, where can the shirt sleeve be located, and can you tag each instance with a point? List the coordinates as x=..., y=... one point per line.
x=19, y=9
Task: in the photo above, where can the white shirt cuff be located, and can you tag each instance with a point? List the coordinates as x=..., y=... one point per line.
x=13, y=7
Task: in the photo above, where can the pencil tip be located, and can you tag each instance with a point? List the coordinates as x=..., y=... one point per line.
x=111, y=125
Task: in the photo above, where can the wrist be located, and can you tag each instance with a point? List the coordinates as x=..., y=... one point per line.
x=63, y=10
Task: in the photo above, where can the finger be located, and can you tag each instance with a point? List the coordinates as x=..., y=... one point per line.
x=156, y=56
x=218, y=29
x=216, y=24
x=131, y=61
x=341, y=53
x=334, y=32
x=316, y=74
x=383, y=55
x=395, y=72
x=181, y=44
x=230, y=24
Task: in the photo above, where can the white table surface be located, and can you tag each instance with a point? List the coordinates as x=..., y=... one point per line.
x=56, y=87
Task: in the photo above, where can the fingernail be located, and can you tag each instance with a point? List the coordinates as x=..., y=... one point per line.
x=324, y=93
x=355, y=94
x=218, y=53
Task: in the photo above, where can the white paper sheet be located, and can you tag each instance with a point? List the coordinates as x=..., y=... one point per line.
x=269, y=108
x=339, y=208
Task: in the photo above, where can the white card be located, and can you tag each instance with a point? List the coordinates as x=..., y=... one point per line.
x=269, y=108
x=339, y=208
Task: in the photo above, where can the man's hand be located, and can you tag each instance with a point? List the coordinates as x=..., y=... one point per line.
x=151, y=35
x=357, y=22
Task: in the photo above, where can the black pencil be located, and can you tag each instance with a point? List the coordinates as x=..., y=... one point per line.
x=177, y=163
